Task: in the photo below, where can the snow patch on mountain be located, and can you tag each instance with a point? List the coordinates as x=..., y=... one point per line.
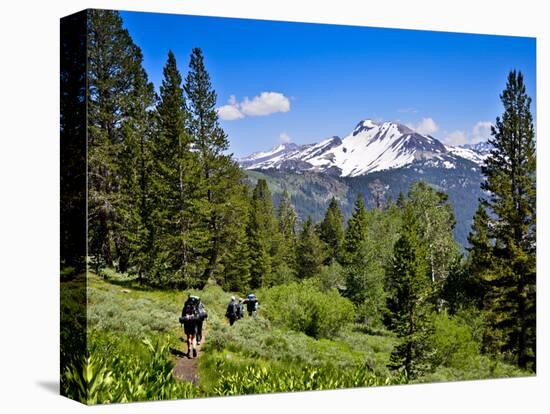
x=370, y=147
x=468, y=154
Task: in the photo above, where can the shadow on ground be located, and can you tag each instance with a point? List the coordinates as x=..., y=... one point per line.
x=177, y=352
x=51, y=386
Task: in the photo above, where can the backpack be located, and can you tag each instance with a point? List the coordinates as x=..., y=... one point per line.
x=240, y=311
x=202, y=311
x=251, y=303
x=190, y=311
x=232, y=310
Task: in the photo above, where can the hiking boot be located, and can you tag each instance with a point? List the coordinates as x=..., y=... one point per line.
x=194, y=353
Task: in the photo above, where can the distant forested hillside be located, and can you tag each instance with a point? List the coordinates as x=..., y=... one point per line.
x=311, y=192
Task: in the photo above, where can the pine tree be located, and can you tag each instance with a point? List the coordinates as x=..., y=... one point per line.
x=365, y=284
x=480, y=258
x=116, y=81
x=135, y=161
x=236, y=261
x=220, y=177
x=310, y=251
x=510, y=181
x=409, y=302
x=73, y=144
x=356, y=232
x=401, y=200
x=261, y=228
x=175, y=186
x=332, y=231
x=287, y=219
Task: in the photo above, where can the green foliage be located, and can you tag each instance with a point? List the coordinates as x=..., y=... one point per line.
x=356, y=231
x=365, y=274
x=330, y=277
x=429, y=213
x=480, y=258
x=262, y=235
x=73, y=315
x=176, y=234
x=221, y=210
x=510, y=184
x=453, y=342
x=365, y=285
x=310, y=250
x=331, y=231
x=409, y=302
x=304, y=308
x=121, y=371
x=287, y=219
x=254, y=378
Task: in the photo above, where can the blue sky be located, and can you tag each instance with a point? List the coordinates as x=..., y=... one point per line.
x=279, y=82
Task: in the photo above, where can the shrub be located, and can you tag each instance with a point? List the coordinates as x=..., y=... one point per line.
x=303, y=307
x=453, y=342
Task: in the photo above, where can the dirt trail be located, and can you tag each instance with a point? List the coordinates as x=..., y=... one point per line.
x=186, y=368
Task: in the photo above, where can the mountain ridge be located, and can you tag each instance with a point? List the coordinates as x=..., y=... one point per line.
x=370, y=147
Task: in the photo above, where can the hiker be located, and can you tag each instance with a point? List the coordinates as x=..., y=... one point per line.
x=251, y=304
x=189, y=319
x=232, y=312
x=202, y=316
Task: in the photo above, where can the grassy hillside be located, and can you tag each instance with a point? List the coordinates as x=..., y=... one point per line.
x=134, y=335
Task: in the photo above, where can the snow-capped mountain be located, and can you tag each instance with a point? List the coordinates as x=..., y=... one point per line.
x=483, y=147
x=369, y=148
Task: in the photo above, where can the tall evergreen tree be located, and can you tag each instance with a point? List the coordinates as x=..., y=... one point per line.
x=356, y=232
x=310, y=251
x=116, y=81
x=236, y=261
x=401, y=200
x=332, y=230
x=175, y=185
x=219, y=175
x=287, y=219
x=409, y=302
x=136, y=168
x=261, y=228
x=510, y=182
x=480, y=258
x=73, y=91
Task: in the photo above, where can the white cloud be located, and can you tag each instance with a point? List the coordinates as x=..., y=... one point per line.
x=481, y=132
x=456, y=138
x=284, y=138
x=230, y=112
x=426, y=126
x=266, y=103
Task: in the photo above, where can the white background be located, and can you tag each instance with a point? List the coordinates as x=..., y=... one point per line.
x=29, y=194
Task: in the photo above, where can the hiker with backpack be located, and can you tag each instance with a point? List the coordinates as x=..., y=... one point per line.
x=251, y=304
x=232, y=312
x=189, y=319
